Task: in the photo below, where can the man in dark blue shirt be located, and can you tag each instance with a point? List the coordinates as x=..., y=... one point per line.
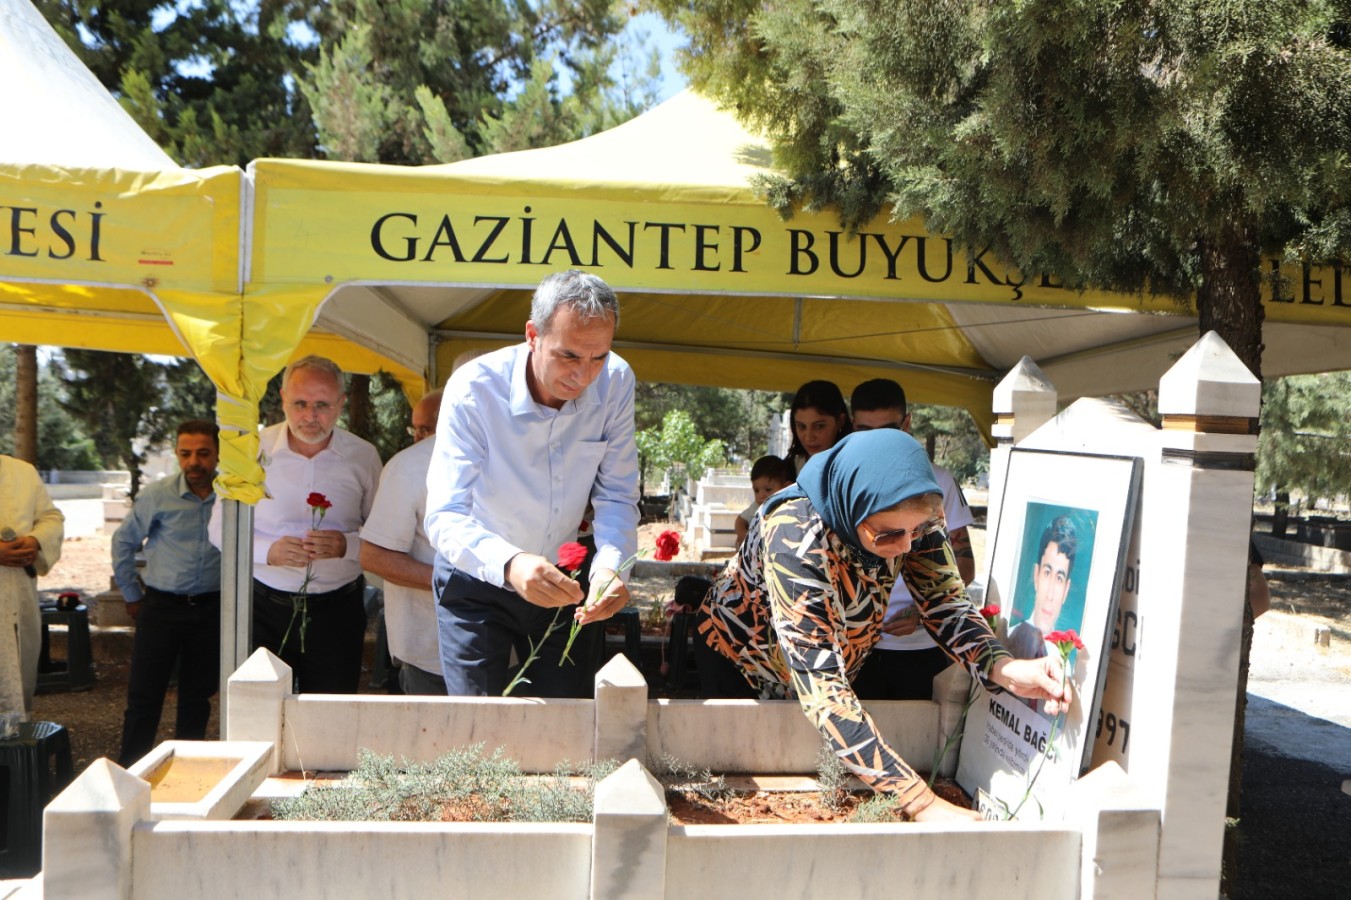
x=177, y=611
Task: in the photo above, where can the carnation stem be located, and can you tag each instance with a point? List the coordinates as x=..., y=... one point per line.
x=576, y=625
x=954, y=737
x=534, y=653
x=1050, y=748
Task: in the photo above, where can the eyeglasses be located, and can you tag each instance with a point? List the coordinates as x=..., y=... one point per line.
x=883, y=538
x=321, y=407
x=418, y=432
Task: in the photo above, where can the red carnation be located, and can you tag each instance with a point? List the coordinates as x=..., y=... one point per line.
x=317, y=500
x=571, y=556
x=990, y=611
x=668, y=545
x=1065, y=640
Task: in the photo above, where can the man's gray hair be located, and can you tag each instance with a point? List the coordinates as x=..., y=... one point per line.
x=589, y=297
x=319, y=363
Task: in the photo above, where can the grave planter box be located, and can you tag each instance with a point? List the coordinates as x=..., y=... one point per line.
x=1188, y=550
x=630, y=849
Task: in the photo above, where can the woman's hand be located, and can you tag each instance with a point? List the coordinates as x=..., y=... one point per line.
x=1036, y=679
x=942, y=811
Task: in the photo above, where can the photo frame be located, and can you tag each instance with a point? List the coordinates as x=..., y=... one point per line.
x=1057, y=560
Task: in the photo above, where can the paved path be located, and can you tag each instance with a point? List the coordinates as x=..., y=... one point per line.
x=1295, y=824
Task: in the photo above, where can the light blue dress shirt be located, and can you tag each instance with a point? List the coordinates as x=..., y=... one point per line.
x=172, y=523
x=509, y=475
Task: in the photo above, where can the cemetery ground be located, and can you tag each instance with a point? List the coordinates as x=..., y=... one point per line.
x=1295, y=825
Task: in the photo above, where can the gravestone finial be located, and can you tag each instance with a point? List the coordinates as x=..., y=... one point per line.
x=1022, y=402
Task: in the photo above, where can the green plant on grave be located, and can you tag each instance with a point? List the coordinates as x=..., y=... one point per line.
x=686, y=779
x=877, y=809
x=833, y=779
x=488, y=788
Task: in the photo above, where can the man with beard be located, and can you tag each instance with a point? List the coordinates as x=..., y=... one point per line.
x=308, y=590
x=177, y=608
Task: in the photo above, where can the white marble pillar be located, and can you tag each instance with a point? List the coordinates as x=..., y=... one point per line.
x=86, y=834
x=1195, y=531
x=258, y=692
x=1022, y=402
x=621, y=711
x=1121, y=835
x=628, y=850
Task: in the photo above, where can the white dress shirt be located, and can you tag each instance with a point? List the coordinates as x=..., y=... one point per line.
x=346, y=472
x=509, y=475
x=395, y=523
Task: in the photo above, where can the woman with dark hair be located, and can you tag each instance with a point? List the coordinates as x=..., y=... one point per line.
x=798, y=610
x=819, y=418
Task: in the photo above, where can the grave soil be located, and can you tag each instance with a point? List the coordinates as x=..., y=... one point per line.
x=783, y=807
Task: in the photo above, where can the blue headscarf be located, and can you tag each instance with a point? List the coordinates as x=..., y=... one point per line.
x=864, y=473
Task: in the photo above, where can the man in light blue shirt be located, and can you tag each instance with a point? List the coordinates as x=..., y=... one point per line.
x=528, y=435
x=177, y=611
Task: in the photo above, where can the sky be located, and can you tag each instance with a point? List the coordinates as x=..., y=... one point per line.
x=660, y=36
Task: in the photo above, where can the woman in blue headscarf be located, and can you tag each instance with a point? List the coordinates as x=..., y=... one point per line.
x=798, y=610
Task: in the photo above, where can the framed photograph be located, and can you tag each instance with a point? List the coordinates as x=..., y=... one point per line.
x=1057, y=559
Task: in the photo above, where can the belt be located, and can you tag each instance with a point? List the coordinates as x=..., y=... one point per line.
x=189, y=599
x=287, y=598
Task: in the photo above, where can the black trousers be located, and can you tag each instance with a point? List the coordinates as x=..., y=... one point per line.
x=171, y=630
x=328, y=659
x=480, y=624
x=719, y=677
x=900, y=674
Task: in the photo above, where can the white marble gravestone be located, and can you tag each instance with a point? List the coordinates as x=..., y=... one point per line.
x=1168, y=704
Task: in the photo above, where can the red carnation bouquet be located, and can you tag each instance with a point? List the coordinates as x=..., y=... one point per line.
x=300, y=600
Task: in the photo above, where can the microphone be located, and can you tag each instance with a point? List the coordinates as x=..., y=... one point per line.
x=6, y=535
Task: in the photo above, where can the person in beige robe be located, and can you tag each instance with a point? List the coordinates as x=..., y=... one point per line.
x=37, y=529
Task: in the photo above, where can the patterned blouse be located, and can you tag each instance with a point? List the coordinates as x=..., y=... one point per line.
x=798, y=611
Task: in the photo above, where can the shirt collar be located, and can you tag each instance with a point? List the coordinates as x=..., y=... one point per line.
x=181, y=486
x=522, y=403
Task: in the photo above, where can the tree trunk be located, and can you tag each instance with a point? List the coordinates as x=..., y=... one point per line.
x=359, y=411
x=1280, y=519
x=26, y=396
x=1230, y=304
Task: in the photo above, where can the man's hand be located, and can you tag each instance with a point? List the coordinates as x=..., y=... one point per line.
x=287, y=551
x=905, y=623
x=540, y=582
x=325, y=544
x=1035, y=679
x=133, y=609
x=19, y=552
x=600, y=605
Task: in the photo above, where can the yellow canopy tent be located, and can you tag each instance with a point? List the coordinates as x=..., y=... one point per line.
x=105, y=243
x=419, y=264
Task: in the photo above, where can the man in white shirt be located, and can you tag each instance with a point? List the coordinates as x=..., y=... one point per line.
x=308, y=603
x=31, y=530
x=527, y=435
x=903, y=664
x=394, y=546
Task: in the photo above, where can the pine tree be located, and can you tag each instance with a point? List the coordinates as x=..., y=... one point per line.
x=1122, y=146
x=212, y=82
x=415, y=81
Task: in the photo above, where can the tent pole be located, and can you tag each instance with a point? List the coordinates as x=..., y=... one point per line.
x=236, y=595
